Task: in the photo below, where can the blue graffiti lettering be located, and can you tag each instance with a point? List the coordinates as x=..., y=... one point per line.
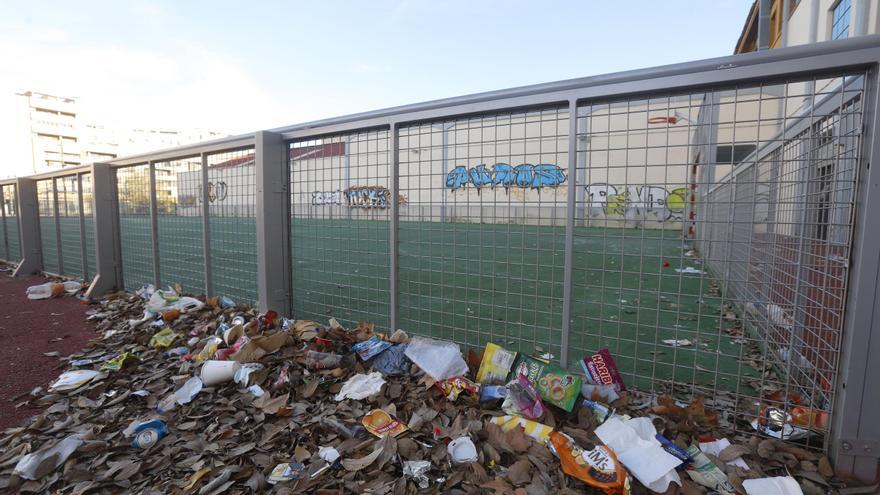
x=457, y=178
x=504, y=175
x=523, y=176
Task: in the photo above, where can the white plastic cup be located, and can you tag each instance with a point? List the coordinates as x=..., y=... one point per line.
x=232, y=334
x=217, y=372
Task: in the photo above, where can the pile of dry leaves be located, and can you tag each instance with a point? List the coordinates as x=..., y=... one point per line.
x=298, y=411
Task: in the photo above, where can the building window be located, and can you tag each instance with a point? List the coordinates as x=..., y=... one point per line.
x=840, y=19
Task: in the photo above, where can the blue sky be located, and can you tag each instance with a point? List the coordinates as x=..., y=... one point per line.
x=239, y=66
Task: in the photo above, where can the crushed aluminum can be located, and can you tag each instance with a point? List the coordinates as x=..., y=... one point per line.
x=149, y=433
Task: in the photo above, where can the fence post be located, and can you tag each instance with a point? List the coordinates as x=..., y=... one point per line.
x=3, y=221
x=273, y=223
x=105, y=221
x=28, y=227
x=154, y=225
x=394, y=233
x=569, y=233
x=206, y=228
x=854, y=445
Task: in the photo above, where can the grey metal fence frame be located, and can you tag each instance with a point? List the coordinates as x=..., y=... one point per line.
x=854, y=440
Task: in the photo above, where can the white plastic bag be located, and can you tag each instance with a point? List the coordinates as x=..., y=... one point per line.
x=438, y=358
x=780, y=485
x=361, y=386
x=70, y=380
x=634, y=443
x=188, y=391
x=42, y=462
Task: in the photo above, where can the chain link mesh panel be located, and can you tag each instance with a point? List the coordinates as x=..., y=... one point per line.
x=340, y=211
x=179, y=212
x=482, y=215
x=233, y=227
x=9, y=207
x=135, y=226
x=48, y=234
x=69, y=222
x=712, y=243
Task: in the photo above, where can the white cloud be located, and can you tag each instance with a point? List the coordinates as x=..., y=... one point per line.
x=191, y=87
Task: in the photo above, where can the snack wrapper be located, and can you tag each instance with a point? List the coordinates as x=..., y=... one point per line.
x=555, y=385
x=380, y=423
x=598, y=468
x=495, y=365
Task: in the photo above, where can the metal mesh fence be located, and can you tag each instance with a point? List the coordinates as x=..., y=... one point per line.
x=133, y=188
x=69, y=223
x=9, y=207
x=88, y=224
x=481, y=236
x=179, y=220
x=232, y=224
x=340, y=203
x=48, y=226
x=712, y=243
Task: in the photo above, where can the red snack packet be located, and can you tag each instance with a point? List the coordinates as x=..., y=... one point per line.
x=601, y=370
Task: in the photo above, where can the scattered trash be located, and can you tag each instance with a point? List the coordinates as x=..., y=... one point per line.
x=776, y=423
x=148, y=434
x=439, y=359
x=780, y=485
x=371, y=347
x=538, y=431
x=715, y=447
x=492, y=392
x=422, y=425
x=462, y=450
x=600, y=411
x=286, y=472
x=598, y=467
x=217, y=372
x=188, y=391
x=495, y=365
x=163, y=338
x=361, y=386
x=392, y=361
x=380, y=423
x=42, y=462
x=71, y=380
x=417, y=471
x=522, y=399
x=118, y=362
x=690, y=270
x=322, y=361
x=706, y=473
x=52, y=289
x=242, y=375
x=603, y=377
x=634, y=443
x=453, y=387
x=555, y=385
x=678, y=342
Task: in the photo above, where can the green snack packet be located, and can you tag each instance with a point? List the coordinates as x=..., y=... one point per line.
x=555, y=385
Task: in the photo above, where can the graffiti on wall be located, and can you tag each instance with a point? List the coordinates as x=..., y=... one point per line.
x=357, y=197
x=216, y=191
x=368, y=197
x=524, y=176
x=645, y=202
x=320, y=198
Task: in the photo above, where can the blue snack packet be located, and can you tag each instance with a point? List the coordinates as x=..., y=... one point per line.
x=370, y=347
